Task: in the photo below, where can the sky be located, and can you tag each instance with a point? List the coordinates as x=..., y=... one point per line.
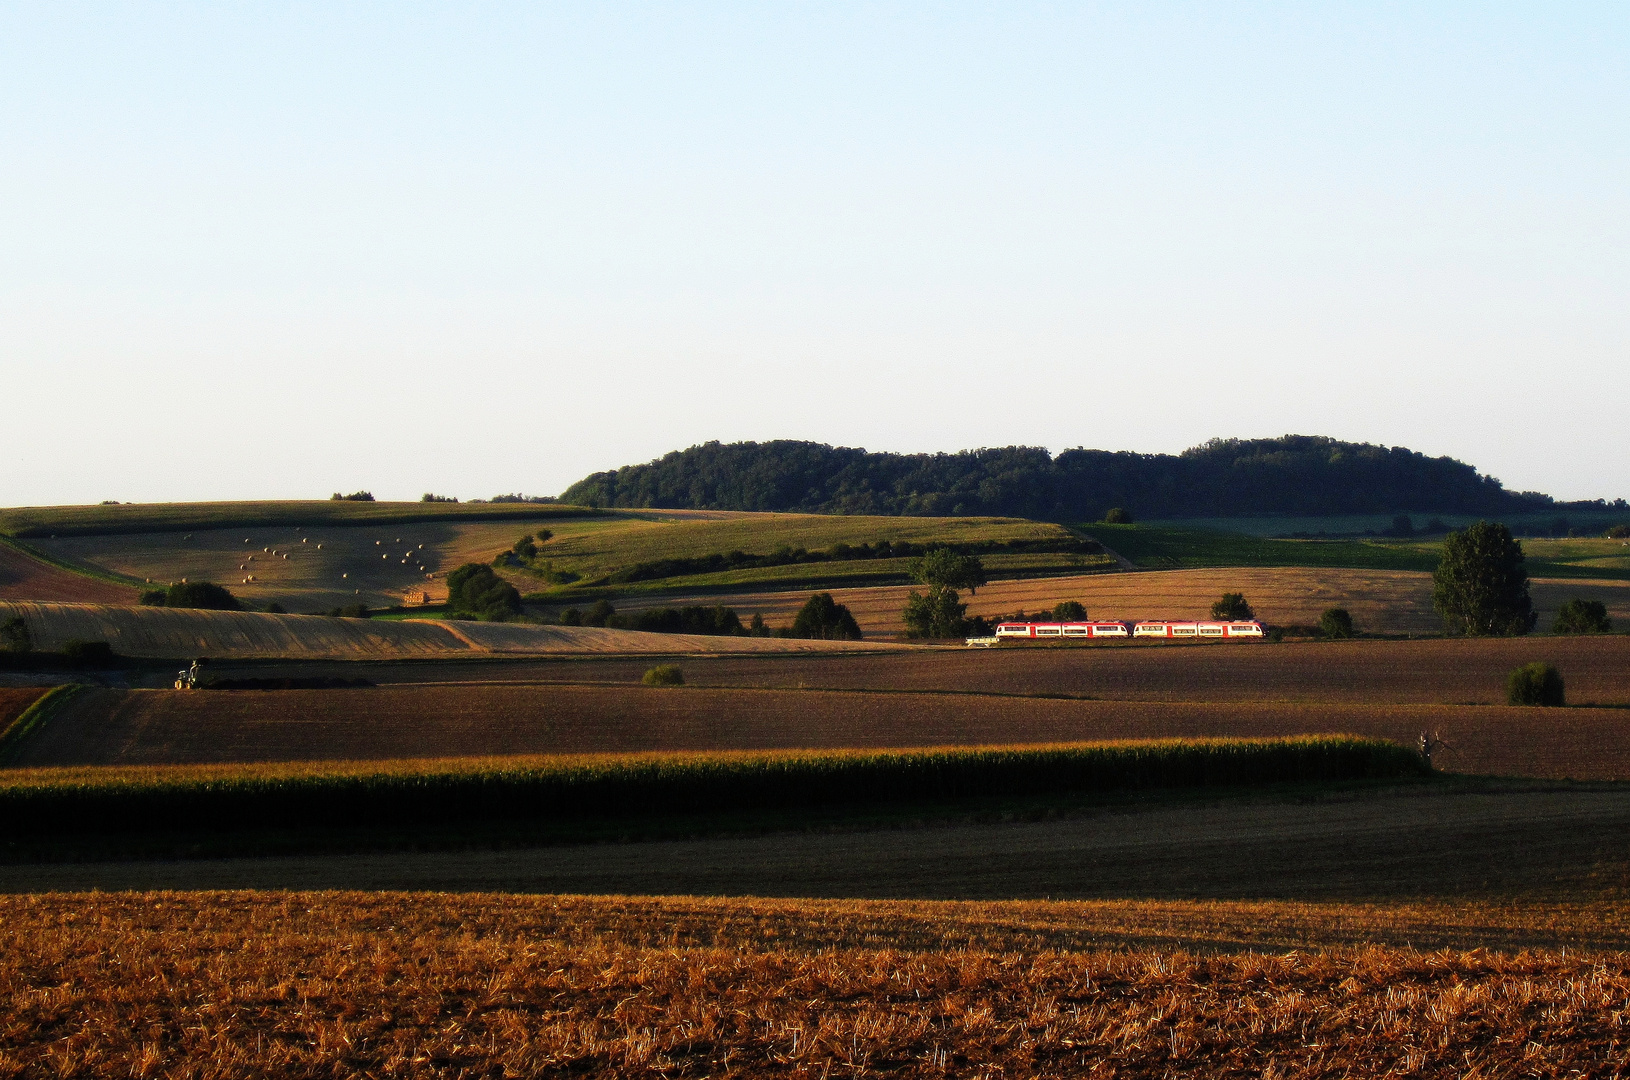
x=282, y=250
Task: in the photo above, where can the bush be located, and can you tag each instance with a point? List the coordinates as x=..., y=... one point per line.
x=663, y=675
x=351, y=611
x=715, y=621
x=1336, y=623
x=152, y=597
x=1069, y=611
x=600, y=614
x=824, y=618
x=1582, y=617
x=475, y=590
x=355, y=496
x=200, y=594
x=571, y=617
x=1618, y=532
x=940, y=614
x=14, y=636
x=1118, y=516
x=1538, y=683
x=87, y=654
x=429, y=498
x=1232, y=606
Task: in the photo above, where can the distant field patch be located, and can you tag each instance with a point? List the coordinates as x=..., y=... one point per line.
x=1154, y=547
x=47, y=521
x=23, y=577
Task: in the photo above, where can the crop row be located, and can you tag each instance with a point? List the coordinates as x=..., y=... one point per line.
x=661, y=784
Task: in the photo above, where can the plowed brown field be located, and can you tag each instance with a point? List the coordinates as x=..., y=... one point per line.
x=14, y=699
x=25, y=578
x=312, y=985
x=1597, y=670
x=135, y=727
x=1381, y=601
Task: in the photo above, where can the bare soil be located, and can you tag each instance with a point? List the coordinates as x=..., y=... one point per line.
x=25, y=578
x=148, y=727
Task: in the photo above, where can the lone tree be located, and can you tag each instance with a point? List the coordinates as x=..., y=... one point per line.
x=1538, y=683
x=1480, y=587
x=1118, y=516
x=474, y=589
x=944, y=566
x=1582, y=617
x=940, y=614
x=1232, y=606
x=1069, y=611
x=823, y=618
x=1336, y=623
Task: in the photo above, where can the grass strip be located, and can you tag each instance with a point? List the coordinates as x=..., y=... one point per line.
x=32, y=718
x=82, y=569
x=306, y=795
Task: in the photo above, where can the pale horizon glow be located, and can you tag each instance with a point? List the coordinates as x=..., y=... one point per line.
x=278, y=251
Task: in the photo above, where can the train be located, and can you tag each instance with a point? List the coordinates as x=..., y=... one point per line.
x=1210, y=630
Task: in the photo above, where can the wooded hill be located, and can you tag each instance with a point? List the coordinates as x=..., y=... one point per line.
x=1295, y=474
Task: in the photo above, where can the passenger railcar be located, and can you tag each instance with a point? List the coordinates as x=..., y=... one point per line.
x=1063, y=630
x=1149, y=628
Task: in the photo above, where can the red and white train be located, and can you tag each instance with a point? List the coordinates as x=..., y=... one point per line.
x=1153, y=628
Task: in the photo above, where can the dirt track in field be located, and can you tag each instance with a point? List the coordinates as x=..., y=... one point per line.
x=140, y=727
x=26, y=578
x=1404, y=843
x=1381, y=601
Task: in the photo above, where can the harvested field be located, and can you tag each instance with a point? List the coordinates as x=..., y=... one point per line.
x=1492, y=845
x=153, y=727
x=1381, y=601
x=178, y=633
x=14, y=699
x=25, y=578
x=1442, y=671
x=297, y=985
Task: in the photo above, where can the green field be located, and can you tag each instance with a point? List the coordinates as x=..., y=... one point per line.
x=593, y=550
x=47, y=521
x=1159, y=547
x=1361, y=525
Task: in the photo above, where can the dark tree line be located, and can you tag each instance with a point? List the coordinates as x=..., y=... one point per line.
x=1296, y=474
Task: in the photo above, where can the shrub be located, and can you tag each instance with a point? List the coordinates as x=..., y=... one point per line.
x=1582, y=617
x=600, y=614
x=544, y=536
x=351, y=611
x=1231, y=606
x=355, y=496
x=717, y=621
x=1336, y=623
x=571, y=617
x=152, y=597
x=475, y=590
x=1069, y=611
x=1538, y=683
x=525, y=549
x=88, y=654
x=940, y=614
x=663, y=675
x=14, y=636
x=429, y=498
x=200, y=594
x=1618, y=532
x=1118, y=516
x=824, y=618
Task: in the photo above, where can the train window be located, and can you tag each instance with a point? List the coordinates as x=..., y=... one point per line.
x=1075, y=631
x=1047, y=631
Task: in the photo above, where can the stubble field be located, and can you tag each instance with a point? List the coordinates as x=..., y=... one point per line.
x=306, y=985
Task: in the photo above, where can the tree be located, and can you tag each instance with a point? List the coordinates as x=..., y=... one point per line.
x=1480, y=587
x=600, y=614
x=525, y=549
x=1582, y=617
x=1336, y=623
x=1538, y=683
x=355, y=496
x=1069, y=611
x=200, y=594
x=944, y=566
x=475, y=590
x=14, y=637
x=824, y=618
x=1118, y=516
x=1232, y=606
x=940, y=614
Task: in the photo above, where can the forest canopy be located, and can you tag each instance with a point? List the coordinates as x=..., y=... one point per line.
x=1295, y=474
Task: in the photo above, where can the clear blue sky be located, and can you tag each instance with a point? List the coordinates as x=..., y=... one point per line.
x=278, y=250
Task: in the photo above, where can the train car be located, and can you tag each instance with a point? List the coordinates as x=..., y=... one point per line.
x=1050, y=630
x=1187, y=631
